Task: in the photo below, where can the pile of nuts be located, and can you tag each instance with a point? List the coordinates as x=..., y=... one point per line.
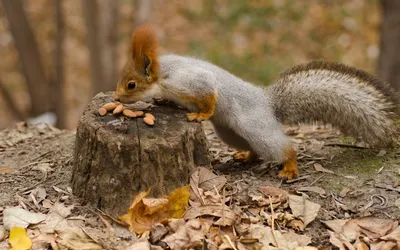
x=118, y=108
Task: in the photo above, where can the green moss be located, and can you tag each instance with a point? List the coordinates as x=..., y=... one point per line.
x=360, y=162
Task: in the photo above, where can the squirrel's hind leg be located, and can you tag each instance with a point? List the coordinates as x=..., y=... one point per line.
x=290, y=169
x=268, y=140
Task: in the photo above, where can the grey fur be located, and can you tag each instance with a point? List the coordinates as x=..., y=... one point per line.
x=249, y=117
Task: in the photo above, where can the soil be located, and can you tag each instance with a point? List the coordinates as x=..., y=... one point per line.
x=354, y=181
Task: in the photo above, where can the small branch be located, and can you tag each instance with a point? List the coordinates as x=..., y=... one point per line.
x=342, y=145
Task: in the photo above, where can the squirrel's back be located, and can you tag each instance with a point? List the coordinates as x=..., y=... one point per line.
x=350, y=99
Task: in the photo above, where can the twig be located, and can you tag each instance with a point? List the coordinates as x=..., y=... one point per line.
x=319, y=178
x=230, y=242
x=298, y=179
x=34, y=163
x=387, y=187
x=342, y=145
x=273, y=222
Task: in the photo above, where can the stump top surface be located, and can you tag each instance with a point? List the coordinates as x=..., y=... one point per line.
x=170, y=121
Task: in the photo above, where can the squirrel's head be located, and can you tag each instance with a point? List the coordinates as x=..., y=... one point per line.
x=140, y=73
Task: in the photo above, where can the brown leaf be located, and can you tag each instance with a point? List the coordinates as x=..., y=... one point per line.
x=226, y=215
x=361, y=246
x=277, y=195
x=335, y=225
x=304, y=209
x=190, y=234
x=145, y=212
x=394, y=235
x=317, y=190
x=383, y=245
x=202, y=180
x=319, y=168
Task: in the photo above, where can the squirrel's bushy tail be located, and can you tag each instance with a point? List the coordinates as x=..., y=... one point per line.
x=350, y=99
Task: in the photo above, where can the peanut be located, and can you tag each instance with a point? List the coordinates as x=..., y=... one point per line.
x=139, y=113
x=110, y=106
x=148, y=121
x=150, y=115
x=118, y=109
x=129, y=113
x=102, y=111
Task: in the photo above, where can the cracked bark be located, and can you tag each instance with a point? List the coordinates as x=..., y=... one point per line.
x=113, y=163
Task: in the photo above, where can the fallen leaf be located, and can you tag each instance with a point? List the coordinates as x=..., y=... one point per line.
x=340, y=241
x=314, y=189
x=39, y=193
x=18, y=217
x=394, y=235
x=383, y=245
x=227, y=215
x=285, y=241
x=158, y=231
x=141, y=244
x=56, y=218
x=3, y=233
x=319, y=168
x=203, y=180
x=335, y=225
x=277, y=195
x=18, y=239
x=190, y=234
x=75, y=238
x=303, y=209
x=146, y=212
x=153, y=205
x=6, y=170
x=361, y=246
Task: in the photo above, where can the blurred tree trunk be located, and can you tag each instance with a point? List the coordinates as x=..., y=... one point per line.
x=109, y=37
x=27, y=47
x=10, y=102
x=59, y=66
x=143, y=11
x=102, y=28
x=389, y=60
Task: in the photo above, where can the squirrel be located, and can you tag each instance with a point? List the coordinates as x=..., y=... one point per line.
x=249, y=117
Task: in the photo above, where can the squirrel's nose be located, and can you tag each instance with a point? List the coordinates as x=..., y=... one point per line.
x=116, y=97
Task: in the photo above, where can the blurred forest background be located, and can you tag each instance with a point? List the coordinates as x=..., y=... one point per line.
x=57, y=54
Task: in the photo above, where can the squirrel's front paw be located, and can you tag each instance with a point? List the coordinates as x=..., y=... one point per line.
x=198, y=117
x=289, y=170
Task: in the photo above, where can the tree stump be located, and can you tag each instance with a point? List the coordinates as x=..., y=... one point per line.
x=116, y=157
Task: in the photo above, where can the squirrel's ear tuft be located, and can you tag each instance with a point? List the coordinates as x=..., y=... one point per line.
x=144, y=50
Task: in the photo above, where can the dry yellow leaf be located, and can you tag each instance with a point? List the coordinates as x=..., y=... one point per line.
x=18, y=239
x=146, y=212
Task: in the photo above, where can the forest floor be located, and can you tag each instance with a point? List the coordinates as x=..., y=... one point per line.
x=347, y=179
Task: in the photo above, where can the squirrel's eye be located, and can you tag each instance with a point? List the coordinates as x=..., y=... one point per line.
x=131, y=85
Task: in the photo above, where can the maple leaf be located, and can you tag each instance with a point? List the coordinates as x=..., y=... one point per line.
x=146, y=212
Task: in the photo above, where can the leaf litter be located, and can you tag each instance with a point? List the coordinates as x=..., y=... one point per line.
x=233, y=225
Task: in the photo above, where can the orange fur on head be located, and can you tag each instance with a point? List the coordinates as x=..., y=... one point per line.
x=144, y=50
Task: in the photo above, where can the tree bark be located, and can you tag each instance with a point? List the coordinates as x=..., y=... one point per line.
x=27, y=47
x=389, y=60
x=59, y=67
x=117, y=157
